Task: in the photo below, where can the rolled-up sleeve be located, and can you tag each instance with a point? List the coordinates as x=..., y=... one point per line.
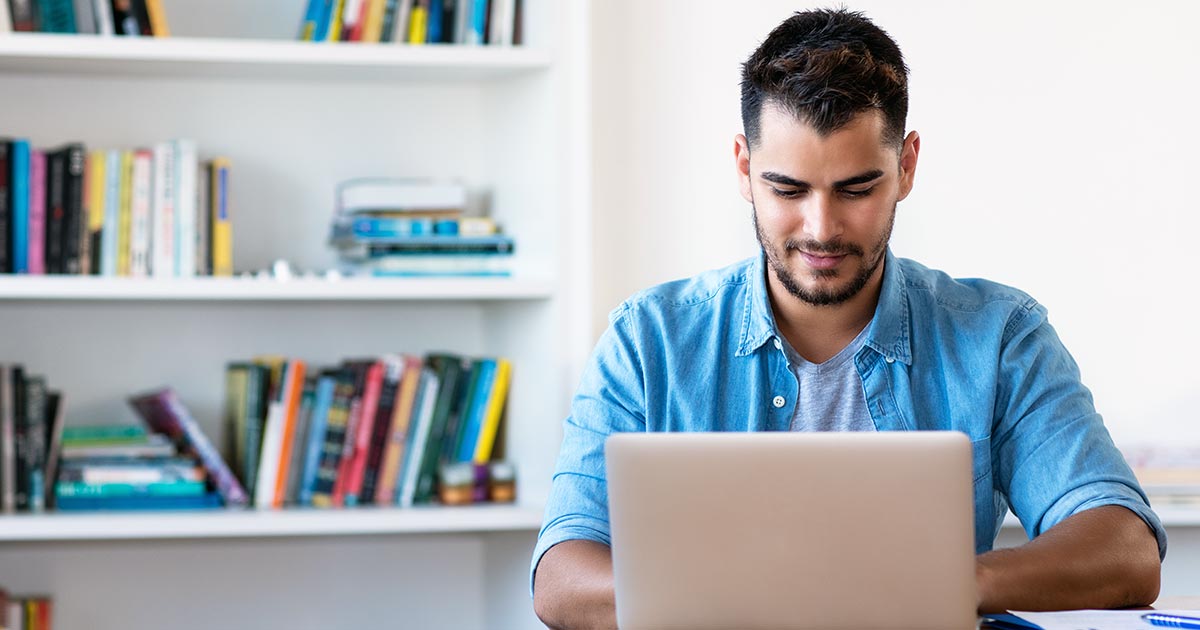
x=610, y=399
x=1053, y=456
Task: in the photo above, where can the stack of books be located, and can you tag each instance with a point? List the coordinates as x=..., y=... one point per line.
x=368, y=431
x=1170, y=475
x=25, y=612
x=157, y=212
x=113, y=467
x=471, y=22
x=31, y=420
x=135, y=18
x=396, y=227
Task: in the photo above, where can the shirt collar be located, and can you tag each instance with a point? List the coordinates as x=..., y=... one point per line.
x=888, y=334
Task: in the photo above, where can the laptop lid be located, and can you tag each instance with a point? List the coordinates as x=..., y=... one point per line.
x=792, y=530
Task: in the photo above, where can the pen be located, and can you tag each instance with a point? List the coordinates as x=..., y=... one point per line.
x=1171, y=621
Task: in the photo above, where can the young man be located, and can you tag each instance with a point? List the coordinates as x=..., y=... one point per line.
x=828, y=331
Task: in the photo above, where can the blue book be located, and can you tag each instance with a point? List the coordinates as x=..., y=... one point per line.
x=308, y=27
x=435, y=22
x=202, y=501
x=20, y=205
x=476, y=409
x=112, y=213
x=316, y=438
x=477, y=27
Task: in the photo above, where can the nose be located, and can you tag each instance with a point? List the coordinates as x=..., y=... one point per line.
x=822, y=222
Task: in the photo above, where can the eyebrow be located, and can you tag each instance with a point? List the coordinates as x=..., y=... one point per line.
x=862, y=178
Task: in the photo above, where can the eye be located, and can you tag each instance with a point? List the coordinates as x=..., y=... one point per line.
x=858, y=194
x=786, y=194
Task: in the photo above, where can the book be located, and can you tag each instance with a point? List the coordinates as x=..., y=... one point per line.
x=393, y=372
x=335, y=438
x=257, y=401
x=363, y=432
x=418, y=22
x=387, y=29
x=125, y=215
x=300, y=440
x=449, y=369
x=164, y=412
x=87, y=503
x=35, y=443
x=141, y=17
x=104, y=17
x=85, y=17
x=157, y=18
x=74, y=222
x=400, y=25
x=184, y=251
x=455, y=422
x=8, y=450
x=56, y=417
x=493, y=413
x=433, y=34
x=37, y=213
x=110, y=233
x=222, y=230
x=151, y=446
x=164, y=210
x=19, y=206
x=140, y=214
x=382, y=194
x=483, y=379
x=422, y=420
x=373, y=26
x=6, y=264
x=358, y=368
x=203, y=222
x=290, y=397
x=178, y=488
x=56, y=16
x=22, y=15
x=402, y=414
x=104, y=434
x=315, y=440
x=335, y=21
x=236, y=377
x=96, y=177
x=20, y=434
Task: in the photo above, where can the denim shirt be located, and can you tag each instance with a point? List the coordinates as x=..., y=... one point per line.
x=941, y=354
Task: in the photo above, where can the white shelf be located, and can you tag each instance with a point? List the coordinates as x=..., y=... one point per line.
x=266, y=523
x=1171, y=515
x=94, y=288
x=183, y=57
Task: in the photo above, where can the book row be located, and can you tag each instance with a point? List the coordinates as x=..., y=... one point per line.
x=144, y=212
x=96, y=17
x=471, y=22
x=31, y=416
x=382, y=432
x=25, y=613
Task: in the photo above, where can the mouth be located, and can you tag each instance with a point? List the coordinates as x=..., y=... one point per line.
x=817, y=261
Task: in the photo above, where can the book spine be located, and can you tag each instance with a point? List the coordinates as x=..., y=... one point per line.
x=142, y=18
x=37, y=213
x=308, y=26
x=140, y=214
x=323, y=400
x=97, y=180
x=6, y=265
x=493, y=412
x=335, y=20
x=125, y=213
x=292, y=393
x=300, y=441
x=436, y=13
x=256, y=404
x=364, y=432
x=449, y=370
x=186, y=164
x=180, y=488
x=389, y=21
x=55, y=415
x=56, y=16
x=398, y=437
x=104, y=17
x=222, y=229
x=165, y=413
x=8, y=439
x=19, y=203
x=393, y=372
x=418, y=23
x=23, y=16
x=85, y=216
x=476, y=408
x=73, y=225
x=268, y=459
x=236, y=377
x=110, y=233
x=419, y=438
x=35, y=439
x=401, y=27
x=335, y=437
x=163, y=261
x=85, y=17
x=373, y=28
x=21, y=435
x=203, y=223
x=55, y=210
x=158, y=18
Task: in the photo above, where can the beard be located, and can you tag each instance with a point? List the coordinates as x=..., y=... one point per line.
x=834, y=295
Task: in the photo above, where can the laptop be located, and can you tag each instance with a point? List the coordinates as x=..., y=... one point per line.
x=792, y=530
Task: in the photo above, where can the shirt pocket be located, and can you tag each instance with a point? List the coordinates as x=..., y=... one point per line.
x=981, y=459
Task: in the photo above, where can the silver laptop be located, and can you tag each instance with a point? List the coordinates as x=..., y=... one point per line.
x=792, y=530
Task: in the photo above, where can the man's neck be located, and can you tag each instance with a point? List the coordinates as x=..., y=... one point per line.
x=818, y=333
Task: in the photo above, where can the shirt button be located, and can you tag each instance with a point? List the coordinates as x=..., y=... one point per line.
x=778, y=401
x=890, y=360
x=778, y=344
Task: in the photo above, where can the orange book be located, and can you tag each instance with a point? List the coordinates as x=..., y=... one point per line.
x=292, y=389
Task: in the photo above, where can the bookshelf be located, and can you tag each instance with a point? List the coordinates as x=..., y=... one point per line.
x=296, y=118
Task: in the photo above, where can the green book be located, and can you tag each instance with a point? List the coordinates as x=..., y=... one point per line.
x=165, y=489
x=104, y=434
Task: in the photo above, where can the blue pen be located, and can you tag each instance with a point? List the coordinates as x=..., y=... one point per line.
x=1171, y=621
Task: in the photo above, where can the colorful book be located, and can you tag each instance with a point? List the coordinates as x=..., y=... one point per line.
x=203, y=501
x=322, y=402
x=402, y=414
x=368, y=411
x=292, y=393
x=393, y=373
x=423, y=410
x=37, y=213
x=222, y=230
x=165, y=413
x=125, y=214
x=449, y=369
x=180, y=488
x=110, y=234
x=300, y=440
x=494, y=412
x=482, y=383
x=158, y=18
x=141, y=214
x=335, y=438
x=19, y=205
x=97, y=196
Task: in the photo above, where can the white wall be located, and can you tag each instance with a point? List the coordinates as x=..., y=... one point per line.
x=1059, y=156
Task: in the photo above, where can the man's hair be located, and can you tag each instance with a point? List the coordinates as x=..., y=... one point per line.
x=825, y=67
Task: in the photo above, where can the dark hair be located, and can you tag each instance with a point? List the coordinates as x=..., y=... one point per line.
x=825, y=67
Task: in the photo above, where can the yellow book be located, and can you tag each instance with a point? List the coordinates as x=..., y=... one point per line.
x=373, y=28
x=495, y=409
x=158, y=18
x=335, y=21
x=418, y=24
x=125, y=213
x=96, y=180
x=221, y=231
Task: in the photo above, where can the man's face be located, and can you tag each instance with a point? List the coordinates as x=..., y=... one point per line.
x=824, y=205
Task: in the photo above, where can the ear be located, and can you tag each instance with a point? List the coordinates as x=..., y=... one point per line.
x=908, y=163
x=741, y=158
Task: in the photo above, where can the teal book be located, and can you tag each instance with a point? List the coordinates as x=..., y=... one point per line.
x=203, y=501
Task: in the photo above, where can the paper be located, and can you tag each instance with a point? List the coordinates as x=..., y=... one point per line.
x=1097, y=619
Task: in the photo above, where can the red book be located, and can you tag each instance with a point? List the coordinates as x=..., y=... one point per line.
x=362, y=433
x=164, y=413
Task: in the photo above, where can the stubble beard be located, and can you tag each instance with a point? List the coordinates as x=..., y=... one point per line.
x=834, y=295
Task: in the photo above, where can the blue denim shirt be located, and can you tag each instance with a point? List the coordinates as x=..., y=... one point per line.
x=941, y=354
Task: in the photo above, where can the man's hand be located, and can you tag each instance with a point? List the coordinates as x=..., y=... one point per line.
x=573, y=586
x=1106, y=557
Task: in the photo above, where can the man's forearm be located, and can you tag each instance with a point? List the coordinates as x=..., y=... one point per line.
x=573, y=586
x=1100, y=558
